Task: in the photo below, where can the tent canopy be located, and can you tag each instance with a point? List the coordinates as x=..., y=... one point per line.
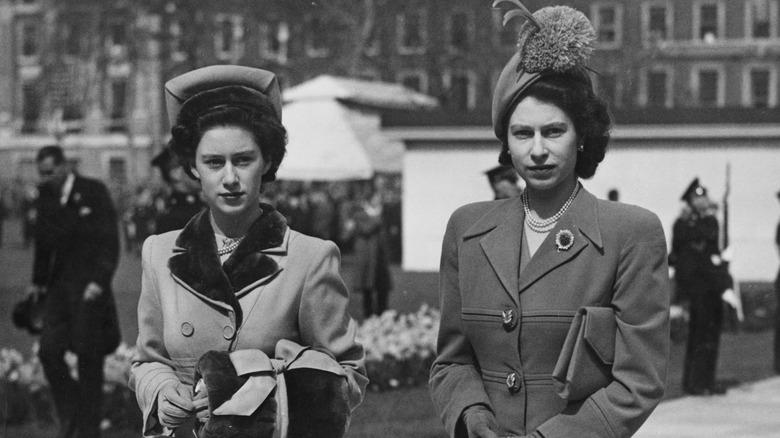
x=375, y=94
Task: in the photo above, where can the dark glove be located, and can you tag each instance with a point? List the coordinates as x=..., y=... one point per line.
x=480, y=422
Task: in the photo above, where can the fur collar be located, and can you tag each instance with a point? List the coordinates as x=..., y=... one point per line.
x=195, y=260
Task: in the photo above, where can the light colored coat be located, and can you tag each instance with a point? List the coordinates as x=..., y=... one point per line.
x=278, y=284
x=618, y=259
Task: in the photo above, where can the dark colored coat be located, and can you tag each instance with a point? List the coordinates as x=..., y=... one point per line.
x=76, y=244
x=694, y=244
x=180, y=207
x=501, y=333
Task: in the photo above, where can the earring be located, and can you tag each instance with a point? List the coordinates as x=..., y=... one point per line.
x=581, y=147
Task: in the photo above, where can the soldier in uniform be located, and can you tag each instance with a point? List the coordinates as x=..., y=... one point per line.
x=701, y=277
x=182, y=199
x=503, y=180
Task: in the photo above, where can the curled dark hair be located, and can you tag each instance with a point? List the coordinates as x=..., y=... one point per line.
x=572, y=93
x=268, y=133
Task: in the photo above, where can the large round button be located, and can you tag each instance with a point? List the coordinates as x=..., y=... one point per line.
x=513, y=382
x=187, y=329
x=228, y=332
x=509, y=319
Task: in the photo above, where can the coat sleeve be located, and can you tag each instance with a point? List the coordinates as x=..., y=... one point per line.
x=105, y=248
x=641, y=297
x=151, y=368
x=454, y=382
x=324, y=320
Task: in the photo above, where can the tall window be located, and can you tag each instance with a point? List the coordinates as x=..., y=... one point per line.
x=606, y=84
x=229, y=38
x=31, y=107
x=28, y=35
x=461, y=92
x=760, y=83
x=708, y=87
x=707, y=22
x=71, y=37
x=118, y=99
x=315, y=40
x=459, y=27
x=658, y=88
x=117, y=171
x=274, y=36
x=761, y=19
x=412, y=35
x=657, y=20
x=607, y=22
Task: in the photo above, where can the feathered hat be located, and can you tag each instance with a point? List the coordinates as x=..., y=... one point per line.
x=553, y=40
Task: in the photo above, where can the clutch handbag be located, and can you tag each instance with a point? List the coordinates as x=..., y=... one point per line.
x=585, y=363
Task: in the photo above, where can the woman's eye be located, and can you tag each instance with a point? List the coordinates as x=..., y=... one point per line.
x=554, y=132
x=213, y=164
x=523, y=133
x=242, y=161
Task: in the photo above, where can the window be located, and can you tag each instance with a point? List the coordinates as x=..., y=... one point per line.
x=708, y=86
x=506, y=36
x=760, y=89
x=71, y=37
x=31, y=107
x=460, y=90
x=117, y=171
x=28, y=36
x=412, y=35
x=118, y=34
x=607, y=22
x=459, y=35
x=415, y=79
x=176, y=38
x=657, y=21
x=657, y=88
x=315, y=40
x=708, y=25
x=229, y=39
x=606, y=86
x=373, y=45
x=118, y=99
x=761, y=19
x=274, y=36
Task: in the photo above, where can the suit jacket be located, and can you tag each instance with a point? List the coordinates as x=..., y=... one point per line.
x=75, y=244
x=501, y=332
x=277, y=284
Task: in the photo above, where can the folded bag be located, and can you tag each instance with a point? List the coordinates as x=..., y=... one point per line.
x=585, y=363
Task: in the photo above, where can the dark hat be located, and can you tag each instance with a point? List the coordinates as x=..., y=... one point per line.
x=28, y=314
x=553, y=40
x=218, y=85
x=694, y=188
x=500, y=173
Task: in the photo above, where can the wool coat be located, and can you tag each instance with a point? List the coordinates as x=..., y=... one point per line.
x=502, y=330
x=77, y=242
x=277, y=284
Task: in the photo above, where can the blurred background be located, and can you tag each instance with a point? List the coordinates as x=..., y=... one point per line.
x=387, y=104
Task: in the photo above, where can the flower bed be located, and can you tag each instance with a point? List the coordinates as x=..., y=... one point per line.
x=399, y=351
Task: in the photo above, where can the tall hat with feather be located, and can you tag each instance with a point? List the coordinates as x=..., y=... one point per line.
x=553, y=40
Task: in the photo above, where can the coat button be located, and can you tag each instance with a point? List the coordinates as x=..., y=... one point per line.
x=509, y=319
x=513, y=382
x=228, y=332
x=187, y=329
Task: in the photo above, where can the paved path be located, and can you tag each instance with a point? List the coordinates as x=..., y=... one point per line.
x=750, y=410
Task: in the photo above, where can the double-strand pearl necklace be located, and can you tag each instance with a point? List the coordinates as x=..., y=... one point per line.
x=543, y=226
x=229, y=244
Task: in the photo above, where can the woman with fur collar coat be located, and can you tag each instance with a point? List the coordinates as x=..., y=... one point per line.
x=236, y=277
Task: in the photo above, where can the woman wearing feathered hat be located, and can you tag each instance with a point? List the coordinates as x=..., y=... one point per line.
x=236, y=297
x=515, y=272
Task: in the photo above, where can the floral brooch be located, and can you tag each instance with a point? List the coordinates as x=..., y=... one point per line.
x=564, y=240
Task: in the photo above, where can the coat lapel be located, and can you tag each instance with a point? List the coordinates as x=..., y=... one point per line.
x=581, y=219
x=195, y=261
x=502, y=228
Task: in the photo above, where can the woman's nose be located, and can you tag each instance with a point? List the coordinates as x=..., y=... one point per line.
x=538, y=148
x=230, y=176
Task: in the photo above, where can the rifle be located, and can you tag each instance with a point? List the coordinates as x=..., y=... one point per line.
x=735, y=298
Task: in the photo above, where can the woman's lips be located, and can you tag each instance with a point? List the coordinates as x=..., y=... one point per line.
x=232, y=196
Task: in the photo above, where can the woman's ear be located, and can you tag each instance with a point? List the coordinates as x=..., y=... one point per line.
x=266, y=167
x=195, y=172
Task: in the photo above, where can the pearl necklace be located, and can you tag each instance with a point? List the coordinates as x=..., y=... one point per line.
x=228, y=245
x=543, y=226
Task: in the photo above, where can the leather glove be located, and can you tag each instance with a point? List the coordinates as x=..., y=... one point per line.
x=174, y=405
x=201, y=401
x=480, y=422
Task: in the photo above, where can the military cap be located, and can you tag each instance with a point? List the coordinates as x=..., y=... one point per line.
x=694, y=189
x=499, y=173
x=222, y=85
x=553, y=40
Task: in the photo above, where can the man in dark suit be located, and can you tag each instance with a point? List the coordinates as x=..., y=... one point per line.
x=76, y=254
